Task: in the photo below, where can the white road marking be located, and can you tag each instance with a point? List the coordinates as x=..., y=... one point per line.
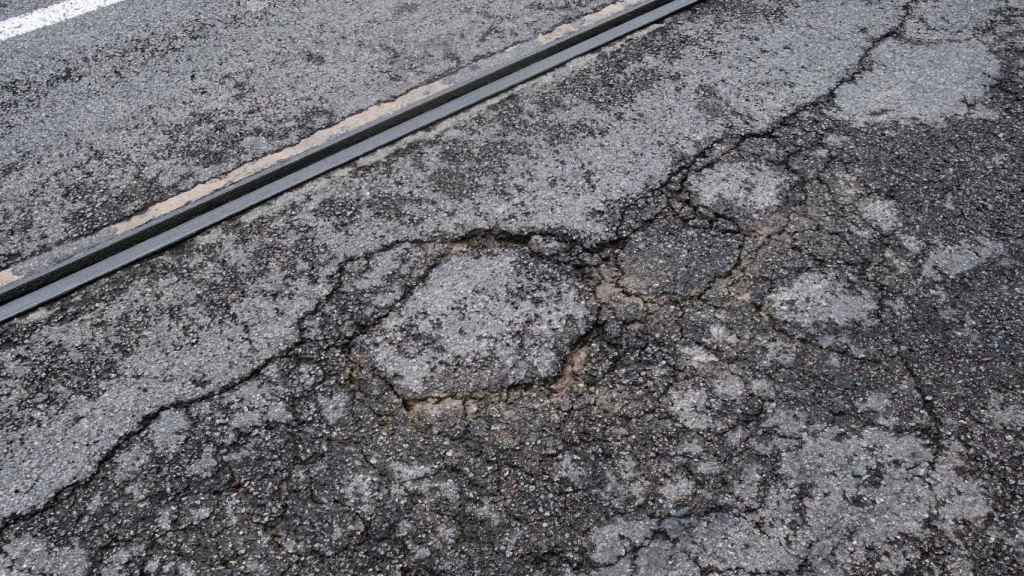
x=48, y=16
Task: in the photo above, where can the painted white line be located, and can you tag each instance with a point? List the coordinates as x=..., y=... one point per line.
x=48, y=16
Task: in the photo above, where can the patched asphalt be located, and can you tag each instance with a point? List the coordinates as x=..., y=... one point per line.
x=741, y=294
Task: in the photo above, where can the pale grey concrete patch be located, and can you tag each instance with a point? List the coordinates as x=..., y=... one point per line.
x=568, y=467
x=952, y=261
x=1006, y=410
x=920, y=82
x=409, y=472
x=750, y=187
x=677, y=490
x=662, y=558
x=115, y=564
x=335, y=407
x=881, y=213
x=817, y=297
x=256, y=404
x=791, y=61
x=166, y=431
x=689, y=404
x=938, y=20
x=612, y=541
x=27, y=556
x=131, y=461
x=482, y=323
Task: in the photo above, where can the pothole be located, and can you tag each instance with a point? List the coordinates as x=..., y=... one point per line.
x=482, y=322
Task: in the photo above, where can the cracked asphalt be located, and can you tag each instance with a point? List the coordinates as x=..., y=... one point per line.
x=741, y=294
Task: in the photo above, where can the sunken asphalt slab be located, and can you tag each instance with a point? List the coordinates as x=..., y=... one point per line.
x=742, y=294
x=108, y=113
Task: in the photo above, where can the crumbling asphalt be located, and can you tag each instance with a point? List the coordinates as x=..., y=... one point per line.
x=741, y=294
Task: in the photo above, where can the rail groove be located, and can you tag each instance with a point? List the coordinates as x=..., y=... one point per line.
x=80, y=269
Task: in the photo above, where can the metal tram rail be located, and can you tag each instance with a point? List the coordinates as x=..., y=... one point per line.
x=114, y=254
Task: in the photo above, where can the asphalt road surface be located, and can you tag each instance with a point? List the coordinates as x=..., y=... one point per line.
x=742, y=294
x=112, y=111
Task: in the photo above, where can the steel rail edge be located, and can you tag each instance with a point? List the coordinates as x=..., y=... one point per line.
x=105, y=258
